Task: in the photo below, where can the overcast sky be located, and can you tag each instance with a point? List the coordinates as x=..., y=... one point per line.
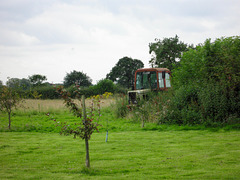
x=55, y=37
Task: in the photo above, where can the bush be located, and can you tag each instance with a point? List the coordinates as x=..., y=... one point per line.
x=45, y=92
x=206, y=84
x=104, y=85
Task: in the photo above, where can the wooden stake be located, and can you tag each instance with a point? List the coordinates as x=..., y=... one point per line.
x=86, y=138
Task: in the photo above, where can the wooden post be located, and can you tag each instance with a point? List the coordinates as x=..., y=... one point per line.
x=86, y=138
x=9, y=120
x=142, y=121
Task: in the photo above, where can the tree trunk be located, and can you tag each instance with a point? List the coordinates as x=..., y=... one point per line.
x=86, y=138
x=87, y=154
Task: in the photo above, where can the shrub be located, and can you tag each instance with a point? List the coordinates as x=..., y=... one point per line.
x=207, y=83
x=46, y=92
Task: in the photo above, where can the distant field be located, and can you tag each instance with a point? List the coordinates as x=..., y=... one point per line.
x=127, y=155
x=56, y=104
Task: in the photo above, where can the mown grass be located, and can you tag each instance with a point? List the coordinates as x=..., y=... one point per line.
x=33, y=149
x=131, y=155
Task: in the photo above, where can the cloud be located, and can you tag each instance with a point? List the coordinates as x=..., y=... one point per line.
x=16, y=38
x=53, y=37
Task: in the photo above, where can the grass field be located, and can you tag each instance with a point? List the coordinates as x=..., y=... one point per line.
x=34, y=149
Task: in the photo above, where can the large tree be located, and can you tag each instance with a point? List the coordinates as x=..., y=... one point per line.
x=123, y=71
x=167, y=52
x=77, y=77
x=37, y=79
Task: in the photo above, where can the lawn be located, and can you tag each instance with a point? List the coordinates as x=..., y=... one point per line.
x=132, y=154
x=34, y=150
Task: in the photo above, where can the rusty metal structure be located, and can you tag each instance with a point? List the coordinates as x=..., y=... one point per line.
x=147, y=80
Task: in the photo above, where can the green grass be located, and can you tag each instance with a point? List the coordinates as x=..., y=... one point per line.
x=40, y=122
x=33, y=149
x=131, y=155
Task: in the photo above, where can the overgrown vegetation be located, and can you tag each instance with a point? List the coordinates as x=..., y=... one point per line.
x=205, y=88
x=207, y=84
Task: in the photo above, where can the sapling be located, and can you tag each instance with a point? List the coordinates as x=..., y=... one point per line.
x=85, y=127
x=9, y=99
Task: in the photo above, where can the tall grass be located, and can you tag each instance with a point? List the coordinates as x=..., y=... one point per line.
x=54, y=105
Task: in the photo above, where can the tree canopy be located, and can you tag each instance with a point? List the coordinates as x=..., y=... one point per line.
x=123, y=71
x=37, y=79
x=16, y=83
x=77, y=77
x=166, y=52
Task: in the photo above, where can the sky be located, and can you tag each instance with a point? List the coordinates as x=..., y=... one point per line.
x=55, y=37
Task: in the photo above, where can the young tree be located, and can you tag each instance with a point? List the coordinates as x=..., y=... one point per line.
x=123, y=71
x=9, y=98
x=77, y=77
x=166, y=52
x=86, y=127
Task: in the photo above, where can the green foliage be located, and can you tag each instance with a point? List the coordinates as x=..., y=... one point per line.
x=121, y=106
x=19, y=84
x=44, y=92
x=37, y=79
x=77, y=77
x=207, y=83
x=123, y=72
x=9, y=99
x=102, y=86
x=166, y=52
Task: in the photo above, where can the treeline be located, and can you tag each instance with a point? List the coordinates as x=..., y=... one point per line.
x=48, y=91
x=120, y=78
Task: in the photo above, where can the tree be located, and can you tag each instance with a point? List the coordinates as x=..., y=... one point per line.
x=167, y=52
x=9, y=99
x=16, y=83
x=105, y=85
x=37, y=79
x=77, y=77
x=123, y=71
x=86, y=127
